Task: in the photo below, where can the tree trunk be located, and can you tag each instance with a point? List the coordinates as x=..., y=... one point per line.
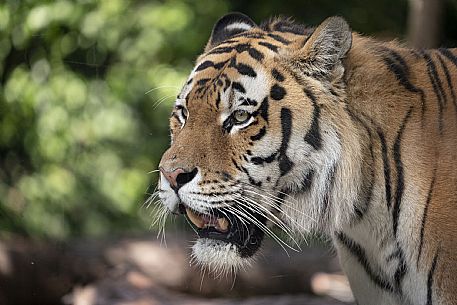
x=424, y=24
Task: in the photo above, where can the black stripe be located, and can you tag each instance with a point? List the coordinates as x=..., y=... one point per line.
x=238, y=87
x=204, y=65
x=236, y=165
x=269, y=46
x=228, y=41
x=218, y=99
x=424, y=216
x=329, y=189
x=202, y=81
x=263, y=109
x=358, y=212
x=262, y=160
x=281, y=195
x=430, y=280
x=356, y=250
x=313, y=136
x=251, y=180
x=247, y=102
x=401, y=270
x=227, y=125
x=449, y=80
x=277, y=75
x=393, y=255
x=437, y=87
x=402, y=267
x=398, y=66
x=245, y=70
x=307, y=181
x=259, y=135
x=221, y=50
x=399, y=59
x=285, y=164
x=227, y=81
x=174, y=115
x=386, y=165
x=279, y=38
x=399, y=167
x=219, y=65
x=368, y=185
x=242, y=47
x=333, y=92
x=449, y=55
x=255, y=54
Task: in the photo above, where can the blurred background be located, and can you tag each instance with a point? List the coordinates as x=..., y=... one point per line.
x=85, y=91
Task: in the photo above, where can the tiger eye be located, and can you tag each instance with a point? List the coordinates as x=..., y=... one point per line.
x=241, y=116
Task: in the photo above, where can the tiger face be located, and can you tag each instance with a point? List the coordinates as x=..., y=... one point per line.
x=248, y=145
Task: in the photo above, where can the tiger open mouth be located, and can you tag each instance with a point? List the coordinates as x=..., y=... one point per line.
x=223, y=225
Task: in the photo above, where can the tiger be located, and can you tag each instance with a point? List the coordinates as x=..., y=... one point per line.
x=320, y=130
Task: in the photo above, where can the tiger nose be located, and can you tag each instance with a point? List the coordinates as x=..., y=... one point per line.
x=178, y=177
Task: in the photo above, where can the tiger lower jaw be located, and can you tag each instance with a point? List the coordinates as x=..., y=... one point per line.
x=225, y=243
x=219, y=256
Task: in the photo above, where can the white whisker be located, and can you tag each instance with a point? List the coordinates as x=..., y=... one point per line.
x=280, y=201
x=261, y=226
x=280, y=210
x=273, y=218
x=161, y=100
x=160, y=87
x=239, y=211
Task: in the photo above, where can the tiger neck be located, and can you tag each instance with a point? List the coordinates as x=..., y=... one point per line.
x=373, y=104
x=369, y=105
x=345, y=187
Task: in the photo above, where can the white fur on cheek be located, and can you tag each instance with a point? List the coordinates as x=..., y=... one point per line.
x=219, y=256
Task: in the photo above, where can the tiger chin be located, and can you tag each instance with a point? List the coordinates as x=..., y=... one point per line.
x=320, y=130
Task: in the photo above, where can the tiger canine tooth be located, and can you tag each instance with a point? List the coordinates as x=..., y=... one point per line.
x=223, y=224
x=196, y=220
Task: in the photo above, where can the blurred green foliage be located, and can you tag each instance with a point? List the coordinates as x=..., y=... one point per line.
x=80, y=120
x=85, y=91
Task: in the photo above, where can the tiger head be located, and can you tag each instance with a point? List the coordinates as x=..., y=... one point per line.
x=256, y=136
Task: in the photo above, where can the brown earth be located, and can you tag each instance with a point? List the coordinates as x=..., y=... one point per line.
x=141, y=271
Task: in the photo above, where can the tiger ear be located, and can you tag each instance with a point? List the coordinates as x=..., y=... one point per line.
x=228, y=26
x=326, y=47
